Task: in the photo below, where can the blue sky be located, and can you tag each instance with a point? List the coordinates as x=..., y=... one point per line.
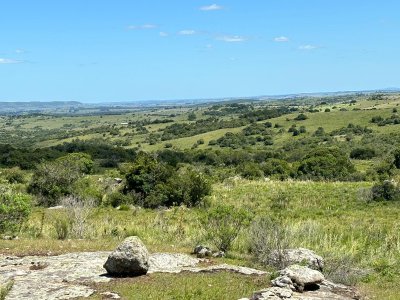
x=127, y=50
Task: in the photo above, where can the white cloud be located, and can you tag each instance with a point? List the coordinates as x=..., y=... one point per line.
x=187, y=32
x=144, y=26
x=163, y=34
x=20, y=51
x=4, y=61
x=281, y=39
x=232, y=38
x=307, y=47
x=211, y=7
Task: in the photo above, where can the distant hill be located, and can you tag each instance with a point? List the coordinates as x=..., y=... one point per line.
x=37, y=106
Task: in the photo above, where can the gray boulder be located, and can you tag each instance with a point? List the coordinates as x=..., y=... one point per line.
x=131, y=258
x=299, y=256
x=202, y=251
x=301, y=277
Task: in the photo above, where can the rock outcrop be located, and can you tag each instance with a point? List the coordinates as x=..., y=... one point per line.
x=301, y=278
x=299, y=256
x=131, y=258
x=302, y=283
x=70, y=275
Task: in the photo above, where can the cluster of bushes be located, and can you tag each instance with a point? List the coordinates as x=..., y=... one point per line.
x=54, y=179
x=295, y=132
x=228, y=109
x=27, y=158
x=179, y=130
x=267, y=113
x=152, y=184
x=392, y=120
x=352, y=129
x=240, y=140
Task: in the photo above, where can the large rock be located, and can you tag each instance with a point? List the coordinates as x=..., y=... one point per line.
x=301, y=277
x=131, y=258
x=300, y=256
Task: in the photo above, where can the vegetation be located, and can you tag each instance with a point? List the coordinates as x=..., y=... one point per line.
x=250, y=178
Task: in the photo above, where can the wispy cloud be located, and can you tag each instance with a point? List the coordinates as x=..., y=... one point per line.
x=163, y=34
x=4, y=61
x=19, y=51
x=281, y=39
x=211, y=7
x=232, y=38
x=187, y=32
x=142, y=27
x=307, y=47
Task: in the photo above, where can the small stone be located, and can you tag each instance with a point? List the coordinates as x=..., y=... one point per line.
x=110, y=295
x=219, y=254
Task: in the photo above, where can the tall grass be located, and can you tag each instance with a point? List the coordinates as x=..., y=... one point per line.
x=334, y=219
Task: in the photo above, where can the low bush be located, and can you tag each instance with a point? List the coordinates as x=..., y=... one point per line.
x=268, y=240
x=386, y=191
x=362, y=153
x=14, y=210
x=223, y=224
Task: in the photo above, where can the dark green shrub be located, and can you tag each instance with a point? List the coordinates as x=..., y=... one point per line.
x=301, y=117
x=187, y=187
x=319, y=132
x=362, y=153
x=276, y=168
x=145, y=173
x=250, y=171
x=116, y=199
x=158, y=184
x=385, y=191
x=325, y=163
x=397, y=158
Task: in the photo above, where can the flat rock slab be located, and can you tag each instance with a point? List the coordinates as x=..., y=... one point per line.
x=68, y=276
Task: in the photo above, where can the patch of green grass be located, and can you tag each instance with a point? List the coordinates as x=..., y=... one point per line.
x=5, y=289
x=207, y=286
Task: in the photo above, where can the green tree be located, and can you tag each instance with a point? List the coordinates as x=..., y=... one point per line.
x=52, y=180
x=145, y=173
x=326, y=163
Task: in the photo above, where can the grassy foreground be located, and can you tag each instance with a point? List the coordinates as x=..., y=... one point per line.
x=360, y=240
